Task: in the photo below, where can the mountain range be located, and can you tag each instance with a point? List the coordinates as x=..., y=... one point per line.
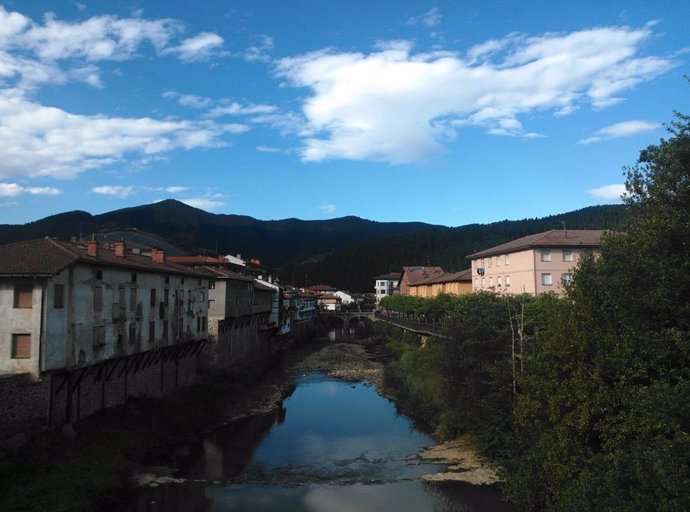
x=346, y=252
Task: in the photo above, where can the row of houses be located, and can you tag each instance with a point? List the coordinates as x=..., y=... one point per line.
x=91, y=323
x=534, y=264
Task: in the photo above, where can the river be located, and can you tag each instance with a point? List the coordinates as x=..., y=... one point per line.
x=330, y=445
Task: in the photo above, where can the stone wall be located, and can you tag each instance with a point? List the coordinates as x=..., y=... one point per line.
x=67, y=396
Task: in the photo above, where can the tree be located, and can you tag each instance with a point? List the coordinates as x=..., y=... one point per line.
x=602, y=420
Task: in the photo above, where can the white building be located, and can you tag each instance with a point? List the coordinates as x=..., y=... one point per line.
x=66, y=305
x=386, y=285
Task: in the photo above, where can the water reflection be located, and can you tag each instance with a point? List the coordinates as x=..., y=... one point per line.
x=333, y=446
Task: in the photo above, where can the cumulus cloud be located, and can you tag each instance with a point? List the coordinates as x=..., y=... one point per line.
x=200, y=47
x=188, y=100
x=609, y=192
x=14, y=190
x=396, y=106
x=327, y=209
x=47, y=141
x=235, y=109
x=624, y=129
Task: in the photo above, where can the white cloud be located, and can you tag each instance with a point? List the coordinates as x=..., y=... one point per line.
x=608, y=192
x=267, y=149
x=208, y=203
x=431, y=18
x=113, y=190
x=200, y=47
x=188, y=100
x=14, y=190
x=235, y=109
x=396, y=106
x=46, y=141
x=327, y=209
x=260, y=52
x=624, y=129
x=176, y=190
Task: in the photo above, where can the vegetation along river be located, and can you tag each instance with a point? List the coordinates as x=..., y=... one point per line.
x=332, y=444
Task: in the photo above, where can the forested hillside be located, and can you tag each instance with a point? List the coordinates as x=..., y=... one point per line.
x=355, y=267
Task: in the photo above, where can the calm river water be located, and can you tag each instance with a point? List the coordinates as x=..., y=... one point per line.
x=333, y=446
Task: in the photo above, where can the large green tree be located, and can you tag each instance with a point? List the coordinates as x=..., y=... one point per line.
x=602, y=420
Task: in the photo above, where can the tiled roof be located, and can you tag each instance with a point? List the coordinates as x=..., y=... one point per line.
x=391, y=276
x=462, y=276
x=46, y=257
x=586, y=238
x=415, y=275
x=197, y=260
x=222, y=273
x=320, y=288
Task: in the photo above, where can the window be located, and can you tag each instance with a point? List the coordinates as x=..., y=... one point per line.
x=98, y=340
x=211, y=304
x=23, y=295
x=167, y=279
x=166, y=296
x=491, y=282
x=132, y=334
x=507, y=281
x=567, y=255
x=483, y=282
x=546, y=255
x=507, y=259
x=199, y=283
x=21, y=346
x=498, y=260
x=198, y=324
x=152, y=332
x=59, y=296
x=133, y=278
x=152, y=302
x=99, y=275
x=546, y=279
x=97, y=299
x=165, y=330
x=499, y=281
x=211, y=285
x=566, y=277
x=132, y=298
x=204, y=323
x=476, y=284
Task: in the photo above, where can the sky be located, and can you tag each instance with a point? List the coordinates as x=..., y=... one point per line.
x=448, y=113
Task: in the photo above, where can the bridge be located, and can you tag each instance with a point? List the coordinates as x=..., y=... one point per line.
x=422, y=328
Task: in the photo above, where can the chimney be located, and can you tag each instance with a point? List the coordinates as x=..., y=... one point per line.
x=158, y=255
x=92, y=248
x=120, y=249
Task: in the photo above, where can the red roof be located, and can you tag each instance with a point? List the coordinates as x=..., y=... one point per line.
x=47, y=257
x=585, y=238
x=415, y=275
x=457, y=277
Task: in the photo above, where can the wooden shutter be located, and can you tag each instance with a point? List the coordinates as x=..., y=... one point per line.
x=21, y=346
x=23, y=295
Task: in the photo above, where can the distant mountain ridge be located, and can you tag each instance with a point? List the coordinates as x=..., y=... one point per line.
x=195, y=230
x=346, y=252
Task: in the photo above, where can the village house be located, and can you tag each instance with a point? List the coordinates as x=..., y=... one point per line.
x=65, y=305
x=533, y=264
x=456, y=283
x=330, y=302
x=386, y=285
x=412, y=276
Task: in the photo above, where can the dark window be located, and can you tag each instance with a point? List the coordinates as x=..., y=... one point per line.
x=23, y=295
x=99, y=275
x=134, y=277
x=152, y=332
x=21, y=346
x=152, y=303
x=97, y=298
x=59, y=296
x=165, y=330
x=182, y=280
x=98, y=337
x=199, y=282
x=132, y=334
x=211, y=303
x=212, y=285
x=204, y=323
x=166, y=294
x=167, y=279
x=198, y=324
x=132, y=298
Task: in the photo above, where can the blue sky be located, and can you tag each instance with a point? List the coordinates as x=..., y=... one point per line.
x=442, y=112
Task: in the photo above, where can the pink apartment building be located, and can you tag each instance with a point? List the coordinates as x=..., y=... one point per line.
x=534, y=264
